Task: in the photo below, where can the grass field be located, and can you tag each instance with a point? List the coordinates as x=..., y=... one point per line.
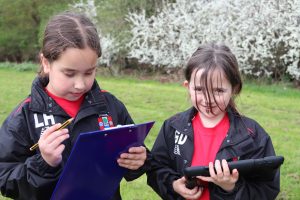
x=275, y=107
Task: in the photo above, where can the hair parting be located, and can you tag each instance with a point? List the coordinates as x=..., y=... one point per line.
x=68, y=30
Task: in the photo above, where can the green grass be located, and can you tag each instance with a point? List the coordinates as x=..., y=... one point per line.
x=275, y=107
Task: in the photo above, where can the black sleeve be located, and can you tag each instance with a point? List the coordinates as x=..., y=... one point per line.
x=23, y=174
x=251, y=189
x=162, y=174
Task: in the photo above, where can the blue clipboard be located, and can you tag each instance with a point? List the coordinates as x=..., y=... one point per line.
x=92, y=171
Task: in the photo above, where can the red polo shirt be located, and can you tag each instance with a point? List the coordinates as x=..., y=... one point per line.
x=207, y=142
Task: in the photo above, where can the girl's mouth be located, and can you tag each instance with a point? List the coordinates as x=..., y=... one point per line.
x=77, y=94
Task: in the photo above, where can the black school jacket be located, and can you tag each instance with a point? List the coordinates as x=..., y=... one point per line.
x=173, y=151
x=23, y=173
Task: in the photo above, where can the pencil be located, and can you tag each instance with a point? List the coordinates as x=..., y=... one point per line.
x=64, y=125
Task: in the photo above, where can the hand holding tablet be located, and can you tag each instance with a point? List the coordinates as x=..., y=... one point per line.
x=262, y=169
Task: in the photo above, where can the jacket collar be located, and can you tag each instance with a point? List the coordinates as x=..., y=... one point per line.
x=237, y=132
x=183, y=121
x=41, y=102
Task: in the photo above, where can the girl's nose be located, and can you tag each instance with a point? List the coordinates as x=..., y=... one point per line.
x=206, y=103
x=79, y=84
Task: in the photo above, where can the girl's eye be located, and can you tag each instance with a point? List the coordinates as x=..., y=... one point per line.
x=69, y=74
x=198, y=89
x=218, y=90
x=89, y=73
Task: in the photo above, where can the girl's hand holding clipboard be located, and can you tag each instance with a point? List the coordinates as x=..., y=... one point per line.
x=134, y=159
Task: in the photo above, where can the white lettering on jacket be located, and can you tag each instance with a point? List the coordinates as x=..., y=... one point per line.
x=44, y=122
x=180, y=139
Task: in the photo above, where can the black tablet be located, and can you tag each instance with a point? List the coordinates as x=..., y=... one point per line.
x=262, y=169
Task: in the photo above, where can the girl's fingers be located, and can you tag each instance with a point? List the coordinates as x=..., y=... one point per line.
x=130, y=164
x=211, y=169
x=131, y=156
x=225, y=167
x=53, y=140
x=193, y=194
x=58, y=140
x=218, y=168
x=180, y=188
x=54, y=135
x=135, y=153
x=54, y=147
x=134, y=159
x=59, y=149
x=139, y=149
x=57, y=155
x=235, y=174
x=50, y=130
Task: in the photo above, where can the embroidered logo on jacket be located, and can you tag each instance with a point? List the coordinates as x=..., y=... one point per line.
x=180, y=139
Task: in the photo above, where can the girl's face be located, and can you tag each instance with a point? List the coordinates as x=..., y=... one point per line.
x=219, y=91
x=73, y=74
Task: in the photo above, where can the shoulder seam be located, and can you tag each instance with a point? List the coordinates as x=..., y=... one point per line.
x=27, y=100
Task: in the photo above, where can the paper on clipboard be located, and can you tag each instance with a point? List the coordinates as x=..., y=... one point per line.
x=92, y=171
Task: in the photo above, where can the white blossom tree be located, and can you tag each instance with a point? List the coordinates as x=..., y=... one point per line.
x=109, y=45
x=264, y=34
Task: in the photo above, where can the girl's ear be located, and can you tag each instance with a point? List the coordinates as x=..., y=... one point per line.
x=45, y=64
x=186, y=84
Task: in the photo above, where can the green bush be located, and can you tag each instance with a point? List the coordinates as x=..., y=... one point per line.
x=20, y=24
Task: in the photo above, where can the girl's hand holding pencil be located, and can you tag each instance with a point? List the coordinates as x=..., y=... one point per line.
x=65, y=124
x=50, y=143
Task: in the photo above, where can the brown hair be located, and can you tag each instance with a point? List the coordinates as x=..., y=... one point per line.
x=68, y=30
x=211, y=57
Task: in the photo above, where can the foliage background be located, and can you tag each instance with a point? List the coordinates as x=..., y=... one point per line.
x=20, y=33
x=263, y=34
x=21, y=24
x=155, y=34
x=275, y=107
